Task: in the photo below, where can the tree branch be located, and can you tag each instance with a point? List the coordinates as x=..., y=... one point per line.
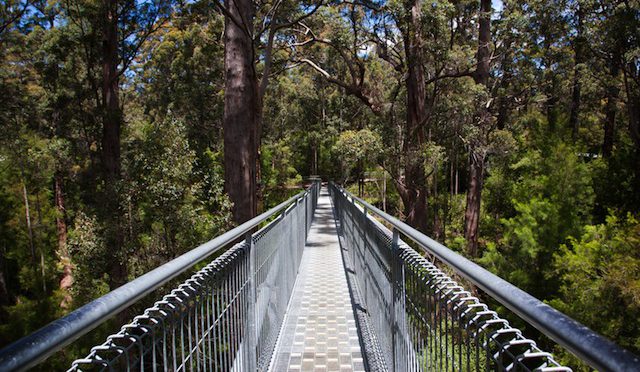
x=13, y=19
x=354, y=90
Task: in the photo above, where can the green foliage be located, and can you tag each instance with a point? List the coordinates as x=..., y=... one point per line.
x=171, y=192
x=277, y=166
x=183, y=76
x=600, y=279
x=552, y=199
x=168, y=199
x=549, y=200
x=357, y=150
x=87, y=249
x=616, y=181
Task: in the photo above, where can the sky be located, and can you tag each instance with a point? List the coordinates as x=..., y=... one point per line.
x=497, y=5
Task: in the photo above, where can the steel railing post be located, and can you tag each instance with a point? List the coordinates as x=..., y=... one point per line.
x=251, y=352
x=306, y=217
x=397, y=303
x=364, y=255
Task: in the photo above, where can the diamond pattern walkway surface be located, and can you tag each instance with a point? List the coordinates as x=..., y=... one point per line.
x=319, y=332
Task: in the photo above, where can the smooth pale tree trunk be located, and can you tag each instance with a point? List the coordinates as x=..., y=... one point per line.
x=550, y=87
x=384, y=191
x=43, y=270
x=477, y=155
x=111, y=129
x=552, y=105
x=66, y=281
x=241, y=111
x=315, y=159
x=438, y=227
x=27, y=217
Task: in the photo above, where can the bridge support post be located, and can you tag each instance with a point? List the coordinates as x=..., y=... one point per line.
x=397, y=305
x=251, y=337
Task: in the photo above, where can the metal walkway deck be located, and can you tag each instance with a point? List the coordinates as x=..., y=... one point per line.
x=319, y=333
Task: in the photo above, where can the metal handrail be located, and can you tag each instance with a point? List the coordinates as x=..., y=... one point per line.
x=36, y=347
x=589, y=346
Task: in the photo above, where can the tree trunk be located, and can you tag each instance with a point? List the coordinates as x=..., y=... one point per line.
x=633, y=109
x=5, y=298
x=27, y=217
x=503, y=101
x=613, y=92
x=63, y=252
x=111, y=127
x=549, y=83
x=438, y=228
x=483, y=56
x=313, y=148
x=241, y=111
x=415, y=188
x=476, y=155
x=384, y=190
x=551, y=105
x=474, y=194
x=633, y=104
x=577, y=84
x=112, y=116
x=503, y=113
x=575, y=104
x=610, y=121
x=38, y=225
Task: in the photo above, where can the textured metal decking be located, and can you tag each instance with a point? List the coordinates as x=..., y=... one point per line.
x=319, y=332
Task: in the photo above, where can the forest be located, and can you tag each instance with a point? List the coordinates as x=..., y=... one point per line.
x=134, y=130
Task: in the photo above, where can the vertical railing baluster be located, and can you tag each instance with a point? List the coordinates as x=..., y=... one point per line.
x=397, y=303
x=251, y=347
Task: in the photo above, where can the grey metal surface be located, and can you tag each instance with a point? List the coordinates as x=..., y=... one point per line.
x=592, y=348
x=319, y=333
x=203, y=322
x=226, y=316
x=371, y=352
x=423, y=319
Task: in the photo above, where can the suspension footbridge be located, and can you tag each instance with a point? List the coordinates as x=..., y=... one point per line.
x=322, y=282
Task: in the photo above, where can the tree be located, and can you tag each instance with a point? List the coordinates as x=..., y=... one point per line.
x=477, y=146
x=357, y=71
x=119, y=49
x=356, y=151
x=599, y=273
x=244, y=90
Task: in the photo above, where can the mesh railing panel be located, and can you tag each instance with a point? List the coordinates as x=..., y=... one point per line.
x=188, y=329
x=226, y=316
x=422, y=319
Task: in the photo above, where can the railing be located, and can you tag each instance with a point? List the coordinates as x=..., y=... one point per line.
x=226, y=317
x=424, y=320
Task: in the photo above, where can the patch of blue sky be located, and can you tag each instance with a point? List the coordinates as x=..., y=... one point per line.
x=497, y=5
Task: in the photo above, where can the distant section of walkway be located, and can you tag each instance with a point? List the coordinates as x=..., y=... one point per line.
x=319, y=333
